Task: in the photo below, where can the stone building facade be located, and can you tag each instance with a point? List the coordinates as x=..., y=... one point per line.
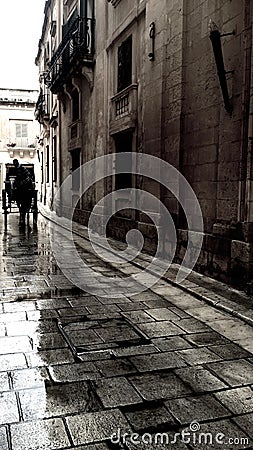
x=18, y=130
x=141, y=76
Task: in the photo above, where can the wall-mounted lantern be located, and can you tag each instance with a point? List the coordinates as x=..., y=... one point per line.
x=215, y=37
x=151, y=54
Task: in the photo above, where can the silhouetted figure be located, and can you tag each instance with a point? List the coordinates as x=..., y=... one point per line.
x=23, y=190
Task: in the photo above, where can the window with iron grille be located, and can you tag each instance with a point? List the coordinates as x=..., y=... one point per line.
x=125, y=64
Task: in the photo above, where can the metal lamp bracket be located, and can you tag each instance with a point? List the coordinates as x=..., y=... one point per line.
x=215, y=37
x=151, y=54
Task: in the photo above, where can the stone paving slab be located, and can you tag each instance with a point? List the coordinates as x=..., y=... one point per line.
x=145, y=418
x=232, y=329
x=48, y=341
x=114, y=368
x=160, y=329
x=238, y=400
x=135, y=350
x=116, y=392
x=207, y=339
x=192, y=326
x=40, y=435
x=197, y=356
x=49, y=357
x=67, y=373
x=29, y=378
x=162, y=314
x=19, y=306
x=97, y=426
x=172, y=343
x=15, y=344
x=200, y=379
x=8, y=408
x=3, y=439
x=157, y=361
x=12, y=361
x=234, y=373
x=159, y=386
x=230, y=351
x=246, y=344
x=54, y=401
x=4, y=382
x=196, y=408
x=40, y=315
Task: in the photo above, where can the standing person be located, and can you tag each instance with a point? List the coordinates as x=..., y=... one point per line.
x=23, y=188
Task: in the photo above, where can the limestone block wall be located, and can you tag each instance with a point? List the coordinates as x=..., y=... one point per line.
x=206, y=143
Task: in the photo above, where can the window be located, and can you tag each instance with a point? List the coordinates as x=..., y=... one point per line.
x=21, y=134
x=54, y=159
x=125, y=64
x=21, y=130
x=69, y=23
x=75, y=156
x=75, y=105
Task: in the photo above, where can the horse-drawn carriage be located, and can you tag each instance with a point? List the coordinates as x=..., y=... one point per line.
x=16, y=200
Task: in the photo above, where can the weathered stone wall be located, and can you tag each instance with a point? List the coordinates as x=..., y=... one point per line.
x=212, y=138
x=200, y=138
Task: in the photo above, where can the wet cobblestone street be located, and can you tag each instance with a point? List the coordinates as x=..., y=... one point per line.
x=82, y=371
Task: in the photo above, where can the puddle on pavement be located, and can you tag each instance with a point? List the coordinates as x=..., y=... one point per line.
x=101, y=335
x=28, y=254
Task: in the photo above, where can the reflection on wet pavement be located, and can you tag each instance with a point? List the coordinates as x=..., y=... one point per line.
x=141, y=360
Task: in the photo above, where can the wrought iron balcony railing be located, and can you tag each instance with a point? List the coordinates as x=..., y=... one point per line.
x=77, y=46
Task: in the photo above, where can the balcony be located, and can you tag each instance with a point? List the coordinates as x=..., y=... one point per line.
x=123, y=111
x=22, y=147
x=41, y=109
x=75, y=50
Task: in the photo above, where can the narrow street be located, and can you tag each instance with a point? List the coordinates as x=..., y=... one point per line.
x=162, y=369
